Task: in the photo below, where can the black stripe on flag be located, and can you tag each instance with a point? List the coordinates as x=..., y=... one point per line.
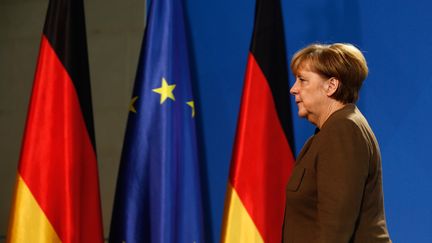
x=268, y=48
x=65, y=30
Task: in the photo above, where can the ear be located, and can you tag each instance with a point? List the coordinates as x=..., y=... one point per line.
x=333, y=85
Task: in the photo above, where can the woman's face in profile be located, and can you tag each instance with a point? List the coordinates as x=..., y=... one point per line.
x=309, y=92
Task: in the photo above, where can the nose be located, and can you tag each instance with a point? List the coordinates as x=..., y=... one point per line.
x=294, y=88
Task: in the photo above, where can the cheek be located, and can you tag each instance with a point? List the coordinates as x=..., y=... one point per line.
x=305, y=96
x=310, y=99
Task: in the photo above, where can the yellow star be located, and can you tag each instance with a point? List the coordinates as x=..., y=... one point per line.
x=131, y=104
x=166, y=91
x=192, y=104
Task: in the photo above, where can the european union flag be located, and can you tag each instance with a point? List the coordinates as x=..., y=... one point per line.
x=158, y=195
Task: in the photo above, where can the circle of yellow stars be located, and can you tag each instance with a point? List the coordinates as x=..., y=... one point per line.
x=166, y=92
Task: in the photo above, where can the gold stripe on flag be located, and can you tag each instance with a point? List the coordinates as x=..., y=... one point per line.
x=238, y=225
x=28, y=221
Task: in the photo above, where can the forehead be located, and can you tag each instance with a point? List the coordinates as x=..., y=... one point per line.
x=310, y=75
x=303, y=66
x=304, y=69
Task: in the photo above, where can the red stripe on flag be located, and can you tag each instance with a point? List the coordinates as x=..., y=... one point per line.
x=58, y=162
x=262, y=158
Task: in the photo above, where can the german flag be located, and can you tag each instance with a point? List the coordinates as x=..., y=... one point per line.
x=262, y=156
x=57, y=190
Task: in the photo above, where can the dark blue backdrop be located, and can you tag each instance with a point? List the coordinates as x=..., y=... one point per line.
x=396, y=97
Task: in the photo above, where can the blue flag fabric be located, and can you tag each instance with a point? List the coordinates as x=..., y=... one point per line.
x=158, y=195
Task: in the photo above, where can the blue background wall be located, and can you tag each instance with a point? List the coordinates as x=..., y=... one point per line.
x=396, y=37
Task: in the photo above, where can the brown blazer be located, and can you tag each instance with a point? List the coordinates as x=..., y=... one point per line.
x=335, y=190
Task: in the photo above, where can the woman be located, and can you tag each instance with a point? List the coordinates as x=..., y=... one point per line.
x=335, y=191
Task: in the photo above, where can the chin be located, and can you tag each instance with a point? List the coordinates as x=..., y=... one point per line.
x=302, y=114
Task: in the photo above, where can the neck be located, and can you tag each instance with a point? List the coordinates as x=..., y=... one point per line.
x=333, y=106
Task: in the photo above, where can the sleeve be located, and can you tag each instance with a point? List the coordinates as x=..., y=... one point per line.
x=342, y=170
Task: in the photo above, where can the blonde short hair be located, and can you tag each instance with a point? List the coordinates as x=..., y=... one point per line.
x=339, y=60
